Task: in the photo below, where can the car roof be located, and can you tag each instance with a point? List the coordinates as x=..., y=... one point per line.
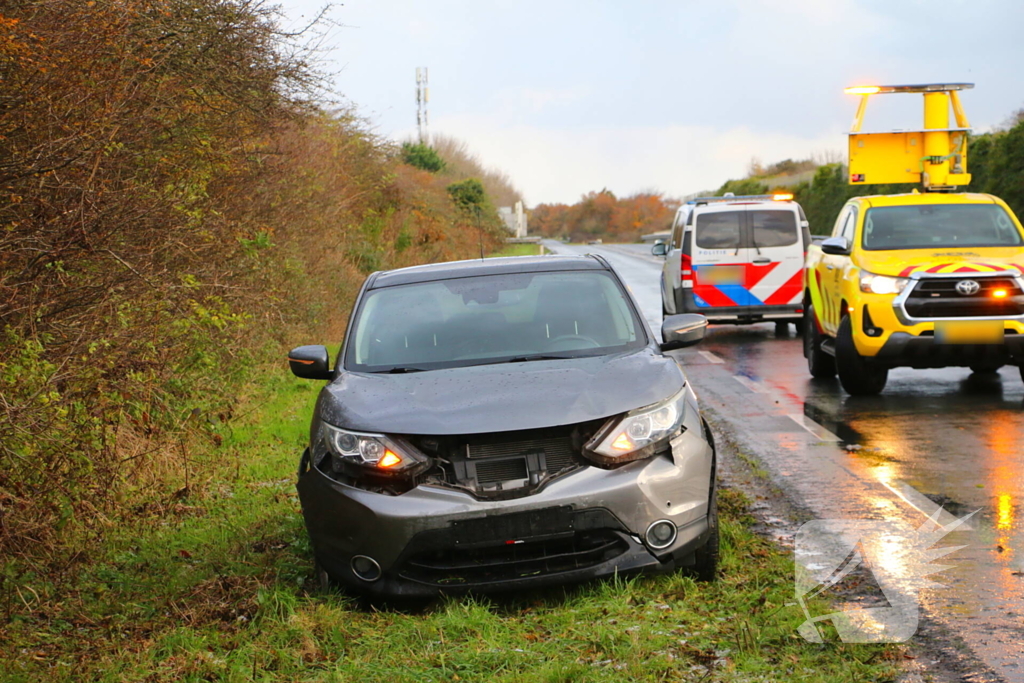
x=741, y=205
x=916, y=199
x=493, y=266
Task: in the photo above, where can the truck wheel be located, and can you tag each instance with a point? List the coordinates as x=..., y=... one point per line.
x=819, y=363
x=985, y=368
x=781, y=328
x=860, y=376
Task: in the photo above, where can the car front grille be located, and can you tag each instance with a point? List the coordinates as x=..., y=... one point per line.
x=558, y=451
x=504, y=469
x=514, y=559
x=938, y=298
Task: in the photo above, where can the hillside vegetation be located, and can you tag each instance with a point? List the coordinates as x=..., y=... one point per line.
x=177, y=207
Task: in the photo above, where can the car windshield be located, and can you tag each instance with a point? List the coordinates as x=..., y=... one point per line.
x=927, y=226
x=492, y=319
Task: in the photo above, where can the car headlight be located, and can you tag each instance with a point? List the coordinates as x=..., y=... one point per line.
x=881, y=284
x=357, y=453
x=637, y=434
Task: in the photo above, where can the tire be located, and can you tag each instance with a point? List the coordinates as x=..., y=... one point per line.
x=819, y=363
x=860, y=376
x=705, y=558
x=985, y=368
x=781, y=329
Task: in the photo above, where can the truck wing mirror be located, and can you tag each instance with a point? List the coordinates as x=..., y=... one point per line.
x=659, y=248
x=837, y=246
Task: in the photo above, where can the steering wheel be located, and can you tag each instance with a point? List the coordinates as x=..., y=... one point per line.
x=558, y=343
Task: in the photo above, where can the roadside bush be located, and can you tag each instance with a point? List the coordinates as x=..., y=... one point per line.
x=176, y=205
x=422, y=156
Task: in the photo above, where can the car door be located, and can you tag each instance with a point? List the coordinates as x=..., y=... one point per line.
x=671, y=269
x=719, y=258
x=834, y=265
x=774, y=276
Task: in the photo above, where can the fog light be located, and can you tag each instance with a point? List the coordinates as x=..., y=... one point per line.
x=661, y=534
x=365, y=568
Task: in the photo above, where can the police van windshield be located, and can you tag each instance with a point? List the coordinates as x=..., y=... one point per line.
x=492, y=319
x=927, y=226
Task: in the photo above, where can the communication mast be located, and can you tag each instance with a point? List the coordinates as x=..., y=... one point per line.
x=422, y=98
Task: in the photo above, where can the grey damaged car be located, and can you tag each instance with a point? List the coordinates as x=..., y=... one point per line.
x=504, y=424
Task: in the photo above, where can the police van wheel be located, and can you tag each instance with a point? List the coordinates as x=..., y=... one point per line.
x=819, y=363
x=985, y=369
x=860, y=376
x=781, y=328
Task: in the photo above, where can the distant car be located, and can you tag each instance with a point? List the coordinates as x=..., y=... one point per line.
x=501, y=424
x=736, y=260
x=594, y=242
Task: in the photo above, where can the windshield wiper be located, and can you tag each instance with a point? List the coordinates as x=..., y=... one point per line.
x=401, y=369
x=538, y=356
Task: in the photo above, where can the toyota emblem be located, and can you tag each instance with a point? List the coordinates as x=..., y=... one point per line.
x=967, y=287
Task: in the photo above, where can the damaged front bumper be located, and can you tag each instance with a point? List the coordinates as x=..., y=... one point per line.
x=589, y=523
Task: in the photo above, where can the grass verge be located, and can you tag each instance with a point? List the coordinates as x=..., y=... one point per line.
x=518, y=250
x=216, y=584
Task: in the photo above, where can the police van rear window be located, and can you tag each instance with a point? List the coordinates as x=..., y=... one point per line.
x=773, y=228
x=719, y=230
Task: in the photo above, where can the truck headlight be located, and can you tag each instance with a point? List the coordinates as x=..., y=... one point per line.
x=639, y=433
x=881, y=284
x=377, y=455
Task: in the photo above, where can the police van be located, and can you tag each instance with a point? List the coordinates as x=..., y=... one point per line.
x=736, y=260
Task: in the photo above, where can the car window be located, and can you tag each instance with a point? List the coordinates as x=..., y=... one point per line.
x=718, y=230
x=927, y=226
x=849, y=225
x=492, y=318
x=773, y=228
x=837, y=229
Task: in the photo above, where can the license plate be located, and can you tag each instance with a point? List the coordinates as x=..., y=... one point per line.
x=518, y=526
x=720, y=275
x=970, y=332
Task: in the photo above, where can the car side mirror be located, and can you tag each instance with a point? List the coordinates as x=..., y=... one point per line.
x=310, y=362
x=837, y=246
x=659, y=249
x=680, y=331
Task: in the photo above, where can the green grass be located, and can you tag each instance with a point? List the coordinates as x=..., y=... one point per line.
x=518, y=250
x=217, y=585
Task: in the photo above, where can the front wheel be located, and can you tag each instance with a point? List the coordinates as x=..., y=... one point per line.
x=860, y=376
x=819, y=363
x=706, y=557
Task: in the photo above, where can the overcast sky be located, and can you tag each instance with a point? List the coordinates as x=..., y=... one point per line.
x=569, y=96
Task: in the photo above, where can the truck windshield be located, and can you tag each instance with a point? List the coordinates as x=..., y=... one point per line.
x=514, y=317
x=927, y=226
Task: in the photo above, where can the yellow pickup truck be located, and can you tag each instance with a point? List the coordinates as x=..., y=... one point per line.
x=915, y=280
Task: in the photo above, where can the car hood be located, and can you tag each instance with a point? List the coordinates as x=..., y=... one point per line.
x=502, y=397
x=903, y=262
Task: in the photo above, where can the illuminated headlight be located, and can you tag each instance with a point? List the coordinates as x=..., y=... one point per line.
x=881, y=284
x=637, y=434
x=369, y=453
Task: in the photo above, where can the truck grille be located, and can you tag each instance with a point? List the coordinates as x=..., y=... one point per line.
x=938, y=298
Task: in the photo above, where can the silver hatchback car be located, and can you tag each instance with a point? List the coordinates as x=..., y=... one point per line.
x=503, y=424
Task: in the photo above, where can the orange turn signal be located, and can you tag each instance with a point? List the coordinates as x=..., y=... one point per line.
x=862, y=90
x=389, y=460
x=783, y=197
x=623, y=443
x=1000, y=293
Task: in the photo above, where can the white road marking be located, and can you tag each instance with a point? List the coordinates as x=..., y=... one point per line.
x=813, y=427
x=920, y=502
x=756, y=387
x=711, y=358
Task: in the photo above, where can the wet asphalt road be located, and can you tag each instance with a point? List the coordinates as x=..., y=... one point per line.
x=934, y=437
